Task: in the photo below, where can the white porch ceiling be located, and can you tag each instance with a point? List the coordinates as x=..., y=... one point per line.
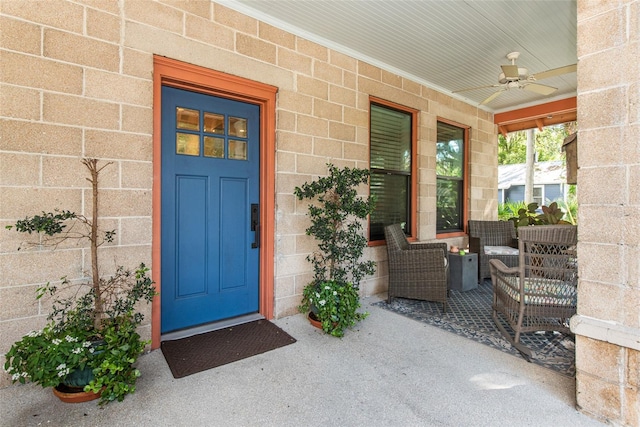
x=447, y=45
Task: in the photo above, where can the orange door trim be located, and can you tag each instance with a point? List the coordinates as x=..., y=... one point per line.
x=169, y=72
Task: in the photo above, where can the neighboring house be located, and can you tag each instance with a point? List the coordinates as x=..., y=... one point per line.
x=123, y=80
x=549, y=182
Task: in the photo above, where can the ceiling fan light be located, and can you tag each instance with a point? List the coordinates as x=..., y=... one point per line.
x=523, y=73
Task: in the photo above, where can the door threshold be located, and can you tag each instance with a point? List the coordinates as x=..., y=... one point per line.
x=209, y=327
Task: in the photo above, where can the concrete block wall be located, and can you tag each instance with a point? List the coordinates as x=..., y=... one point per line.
x=607, y=326
x=64, y=96
x=76, y=81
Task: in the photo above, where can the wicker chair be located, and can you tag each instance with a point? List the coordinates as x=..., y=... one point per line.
x=540, y=294
x=500, y=236
x=417, y=270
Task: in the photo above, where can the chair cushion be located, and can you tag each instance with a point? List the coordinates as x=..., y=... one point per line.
x=542, y=291
x=500, y=250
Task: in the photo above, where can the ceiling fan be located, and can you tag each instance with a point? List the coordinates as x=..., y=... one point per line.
x=514, y=77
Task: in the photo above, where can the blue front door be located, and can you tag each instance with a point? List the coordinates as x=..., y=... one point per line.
x=210, y=192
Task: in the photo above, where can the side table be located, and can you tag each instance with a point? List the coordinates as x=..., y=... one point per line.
x=463, y=271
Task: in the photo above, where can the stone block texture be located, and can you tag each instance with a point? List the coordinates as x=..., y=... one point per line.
x=78, y=83
x=607, y=365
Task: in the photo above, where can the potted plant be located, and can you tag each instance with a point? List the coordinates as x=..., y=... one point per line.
x=90, y=342
x=528, y=215
x=336, y=223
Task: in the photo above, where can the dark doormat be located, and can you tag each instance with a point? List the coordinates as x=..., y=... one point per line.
x=198, y=353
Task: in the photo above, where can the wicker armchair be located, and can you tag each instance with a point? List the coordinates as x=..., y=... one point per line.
x=500, y=236
x=540, y=294
x=416, y=271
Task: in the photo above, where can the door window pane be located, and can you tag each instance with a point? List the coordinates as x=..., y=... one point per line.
x=187, y=119
x=237, y=150
x=237, y=127
x=187, y=143
x=214, y=123
x=214, y=147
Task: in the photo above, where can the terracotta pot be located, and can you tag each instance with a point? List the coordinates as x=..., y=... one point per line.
x=74, y=394
x=314, y=320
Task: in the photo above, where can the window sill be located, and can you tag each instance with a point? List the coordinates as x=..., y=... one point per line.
x=448, y=235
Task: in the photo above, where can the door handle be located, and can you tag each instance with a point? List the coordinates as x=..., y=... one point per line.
x=256, y=238
x=255, y=224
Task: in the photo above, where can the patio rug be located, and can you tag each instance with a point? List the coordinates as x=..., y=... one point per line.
x=469, y=315
x=198, y=353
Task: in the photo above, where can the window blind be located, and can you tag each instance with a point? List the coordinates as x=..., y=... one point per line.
x=390, y=161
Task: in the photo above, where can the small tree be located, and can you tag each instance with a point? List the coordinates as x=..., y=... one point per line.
x=336, y=222
x=52, y=226
x=91, y=340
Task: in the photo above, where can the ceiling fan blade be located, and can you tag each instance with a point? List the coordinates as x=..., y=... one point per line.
x=474, y=88
x=541, y=89
x=556, y=72
x=510, y=71
x=492, y=97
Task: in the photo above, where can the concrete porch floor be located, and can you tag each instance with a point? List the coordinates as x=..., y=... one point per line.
x=388, y=371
